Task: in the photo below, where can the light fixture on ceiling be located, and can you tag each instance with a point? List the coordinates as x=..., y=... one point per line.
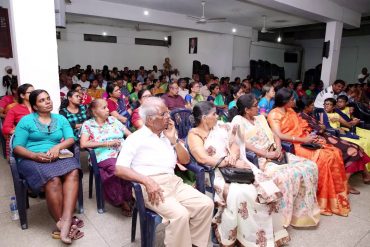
x=279, y=39
x=146, y=12
x=104, y=33
x=165, y=38
x=233, y=30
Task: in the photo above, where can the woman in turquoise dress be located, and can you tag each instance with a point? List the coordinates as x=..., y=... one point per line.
x=39, y=139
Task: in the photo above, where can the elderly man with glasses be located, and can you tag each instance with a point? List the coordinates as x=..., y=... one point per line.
x=172, y=99
x=148, y=157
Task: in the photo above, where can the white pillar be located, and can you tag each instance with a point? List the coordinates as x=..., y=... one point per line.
x=35, y=45
x=330, y=65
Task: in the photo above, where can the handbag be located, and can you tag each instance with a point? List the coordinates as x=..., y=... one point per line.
x=311, y=145
x=237, y=175
x=282, y=161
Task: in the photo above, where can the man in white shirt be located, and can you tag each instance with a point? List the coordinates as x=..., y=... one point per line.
x=84, y=82
x=204, y=91
x=67, y=87
x=155, y=72
x=364, y=76
x=330, y=92
x=149, y=157
x=183, y=91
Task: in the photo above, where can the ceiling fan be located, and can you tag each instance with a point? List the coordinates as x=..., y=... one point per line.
x=264, y=29
x=203, y=20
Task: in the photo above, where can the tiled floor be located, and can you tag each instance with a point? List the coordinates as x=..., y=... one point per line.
x=113, y=229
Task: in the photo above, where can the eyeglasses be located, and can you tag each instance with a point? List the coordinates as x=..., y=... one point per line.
x=164, y=114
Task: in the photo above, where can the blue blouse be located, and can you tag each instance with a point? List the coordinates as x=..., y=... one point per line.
x=265, y=106
x=37, y=137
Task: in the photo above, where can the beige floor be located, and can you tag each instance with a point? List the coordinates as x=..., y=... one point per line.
x=113, y=229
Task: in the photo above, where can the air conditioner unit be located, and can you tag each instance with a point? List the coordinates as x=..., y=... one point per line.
x=60, y=13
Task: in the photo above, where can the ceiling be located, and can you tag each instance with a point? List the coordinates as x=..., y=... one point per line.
x=76, y=19
x=362, y=6
x=239, y=12
x=236, y=11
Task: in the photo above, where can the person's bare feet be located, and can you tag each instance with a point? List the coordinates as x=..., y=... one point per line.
x=366, y=177
x=126, y=209
x=64, y=225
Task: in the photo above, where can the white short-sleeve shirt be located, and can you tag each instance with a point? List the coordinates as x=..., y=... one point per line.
x=147, y=153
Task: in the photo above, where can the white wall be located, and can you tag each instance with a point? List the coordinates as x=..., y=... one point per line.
x=354, y=55
x=274, y=53
x=6, y=61
x=72, y=49
x=215, y=50
x=241, y=50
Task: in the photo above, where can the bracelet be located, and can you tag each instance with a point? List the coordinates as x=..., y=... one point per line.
x=219, y=162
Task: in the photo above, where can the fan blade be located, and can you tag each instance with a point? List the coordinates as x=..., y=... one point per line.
x=193, y=17
x=201, y=22
x=216, y=19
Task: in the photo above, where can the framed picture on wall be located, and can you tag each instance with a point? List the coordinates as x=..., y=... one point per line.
x=5, y=41
x=193, y=45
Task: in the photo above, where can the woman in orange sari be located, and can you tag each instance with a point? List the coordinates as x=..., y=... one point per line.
x=332, y=185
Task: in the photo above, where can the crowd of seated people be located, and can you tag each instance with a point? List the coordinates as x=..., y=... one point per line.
x=125, y=117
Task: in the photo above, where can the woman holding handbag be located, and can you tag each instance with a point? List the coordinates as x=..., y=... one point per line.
x=247, y=213
x=296, y=177
x=332, y=185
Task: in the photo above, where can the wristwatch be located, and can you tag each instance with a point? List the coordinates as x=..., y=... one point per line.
x=177, y=141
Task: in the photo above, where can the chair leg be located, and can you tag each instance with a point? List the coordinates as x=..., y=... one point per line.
x=80, y=207
x=99, y=195
x=133, y=224
x=91, y=180
x=27, y=201
x=152, y=224
x=22, y=198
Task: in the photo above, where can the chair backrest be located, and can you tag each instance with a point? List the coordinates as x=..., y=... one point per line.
x=183, y=124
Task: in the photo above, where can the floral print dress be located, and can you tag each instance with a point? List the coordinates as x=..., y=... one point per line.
x=249, y=215
x=297, y=180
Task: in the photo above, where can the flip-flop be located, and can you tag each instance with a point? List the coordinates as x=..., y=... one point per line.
x=353, y=191
x=78, y=222
x=75, y=234
x=55, y=234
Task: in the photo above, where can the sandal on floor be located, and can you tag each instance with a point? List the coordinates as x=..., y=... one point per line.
x=75, y=234
x=353, y=191
x=78, y=222
x=55, y=234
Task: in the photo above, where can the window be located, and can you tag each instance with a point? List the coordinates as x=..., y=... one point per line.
x=100, y=38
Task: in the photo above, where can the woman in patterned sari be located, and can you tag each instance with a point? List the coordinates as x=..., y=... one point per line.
x=354, y=157
x=247, y=213
x=288, y=126
x=296, y=179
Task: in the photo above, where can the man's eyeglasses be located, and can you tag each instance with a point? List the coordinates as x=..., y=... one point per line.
x=164, y=114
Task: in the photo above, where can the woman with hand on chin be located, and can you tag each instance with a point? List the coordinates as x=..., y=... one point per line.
x=39, y=137
x=105, y=134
